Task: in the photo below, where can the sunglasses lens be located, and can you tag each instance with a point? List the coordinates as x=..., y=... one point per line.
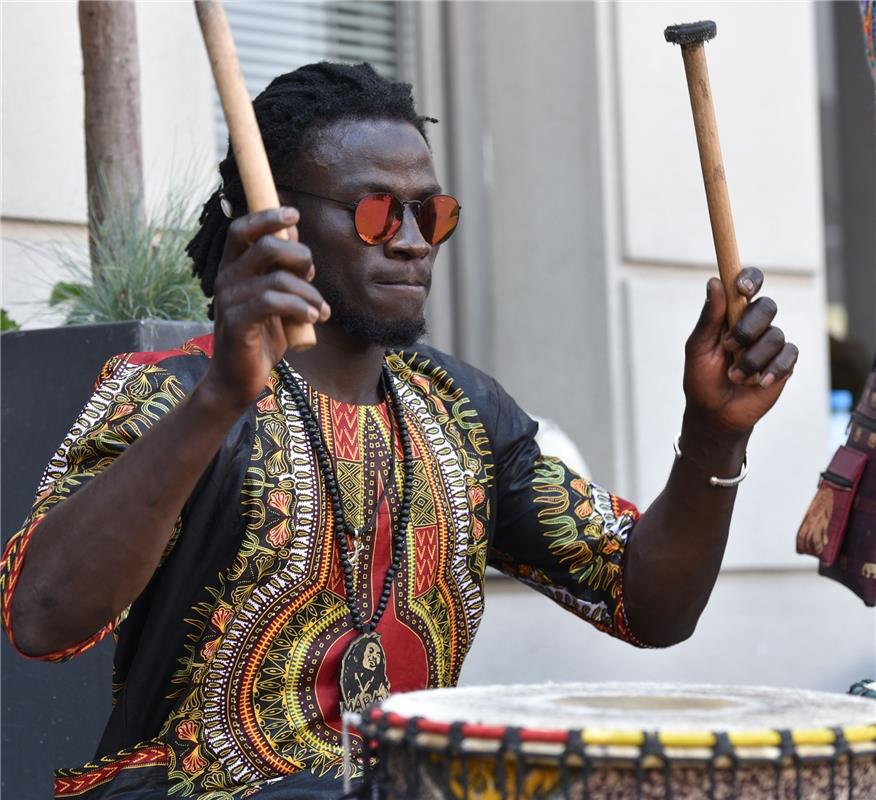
x=438, y=218
x=378, y=217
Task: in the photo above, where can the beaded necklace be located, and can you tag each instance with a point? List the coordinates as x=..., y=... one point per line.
x=363, y=678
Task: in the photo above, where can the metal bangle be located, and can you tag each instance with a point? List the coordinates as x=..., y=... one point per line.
x=714, y=481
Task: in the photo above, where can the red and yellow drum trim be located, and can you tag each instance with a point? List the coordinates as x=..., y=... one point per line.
x=605, y=737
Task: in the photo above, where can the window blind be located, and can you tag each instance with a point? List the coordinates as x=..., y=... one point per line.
x=277, y=37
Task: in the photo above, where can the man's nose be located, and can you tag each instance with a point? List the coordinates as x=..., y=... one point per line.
x=408, y=241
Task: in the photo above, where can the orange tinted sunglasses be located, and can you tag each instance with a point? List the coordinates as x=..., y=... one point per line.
x=378, y=216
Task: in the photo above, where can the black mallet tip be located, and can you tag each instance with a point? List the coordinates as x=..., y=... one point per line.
x=691, y=32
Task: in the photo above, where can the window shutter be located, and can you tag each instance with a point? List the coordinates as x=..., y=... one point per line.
x=273, y=38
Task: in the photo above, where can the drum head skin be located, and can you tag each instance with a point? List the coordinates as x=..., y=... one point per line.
x=636, y=707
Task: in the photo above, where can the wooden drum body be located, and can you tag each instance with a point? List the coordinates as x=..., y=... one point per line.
x=618, y=741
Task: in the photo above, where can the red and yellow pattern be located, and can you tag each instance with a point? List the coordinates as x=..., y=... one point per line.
x=262, y=686
x=251, y=687
x=76, y=783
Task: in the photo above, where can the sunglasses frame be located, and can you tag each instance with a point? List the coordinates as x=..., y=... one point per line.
x=415, y=205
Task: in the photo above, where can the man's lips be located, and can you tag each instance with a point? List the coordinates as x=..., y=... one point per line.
x=405, y=283
x=420, y=281
x=412, y=290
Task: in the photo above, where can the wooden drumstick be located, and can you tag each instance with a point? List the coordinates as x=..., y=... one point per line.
x=692, y=37
x=246, y=138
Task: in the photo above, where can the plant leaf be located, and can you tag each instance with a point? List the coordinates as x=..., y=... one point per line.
x=6, y=322
x=63, y=291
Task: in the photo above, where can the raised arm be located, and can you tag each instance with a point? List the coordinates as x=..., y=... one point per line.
x=675, y=552
x=93, y=553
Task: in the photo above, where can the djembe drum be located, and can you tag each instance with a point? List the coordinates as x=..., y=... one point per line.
x=617, y=741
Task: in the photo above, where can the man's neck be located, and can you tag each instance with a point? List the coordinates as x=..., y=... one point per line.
x=342, y=367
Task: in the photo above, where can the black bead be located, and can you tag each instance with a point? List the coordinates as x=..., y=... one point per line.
x=314, y=433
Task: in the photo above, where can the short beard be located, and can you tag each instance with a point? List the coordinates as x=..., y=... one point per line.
x=384, y=332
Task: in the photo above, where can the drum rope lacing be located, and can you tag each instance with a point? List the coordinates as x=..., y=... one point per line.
x=842, y=750
x=412, y=777
x=510, y=744
x=454, y=747
x=512, y=741
x=723, y=750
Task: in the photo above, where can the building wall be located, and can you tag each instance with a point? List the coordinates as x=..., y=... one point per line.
x=43, y=148
x=602, y=249
x=781, y=628
x=552, y=293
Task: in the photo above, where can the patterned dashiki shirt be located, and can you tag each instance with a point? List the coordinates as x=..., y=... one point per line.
x=227, y=665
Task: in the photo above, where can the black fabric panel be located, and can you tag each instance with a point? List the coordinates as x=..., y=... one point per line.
x=510, y=429
x=212, y=528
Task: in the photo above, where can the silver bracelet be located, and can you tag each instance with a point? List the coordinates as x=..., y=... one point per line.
x=713, y=481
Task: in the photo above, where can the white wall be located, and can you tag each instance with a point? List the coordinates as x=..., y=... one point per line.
x=771, y=628
x=638, y=281
x=43, y=149
x=42, y=112
x=786, y=452
x=766, y=101
x=767, y=108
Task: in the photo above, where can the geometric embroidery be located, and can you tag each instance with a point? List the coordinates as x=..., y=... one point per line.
x=427, y=559
x=263, y=696
x=422, y=502
x=256, y=693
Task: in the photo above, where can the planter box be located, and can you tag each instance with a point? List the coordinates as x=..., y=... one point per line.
x=53, y=714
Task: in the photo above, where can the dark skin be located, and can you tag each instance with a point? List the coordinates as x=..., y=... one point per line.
x=674, y=556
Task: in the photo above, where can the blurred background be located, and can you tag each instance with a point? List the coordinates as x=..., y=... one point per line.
x=579, y=267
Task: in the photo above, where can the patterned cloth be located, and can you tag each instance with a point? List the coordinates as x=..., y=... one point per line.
x=226, y=667
x=868, y=18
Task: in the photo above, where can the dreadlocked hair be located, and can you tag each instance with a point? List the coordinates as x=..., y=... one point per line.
x=292, y=108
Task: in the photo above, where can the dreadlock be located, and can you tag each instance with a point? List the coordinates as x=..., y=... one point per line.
x=289, y=111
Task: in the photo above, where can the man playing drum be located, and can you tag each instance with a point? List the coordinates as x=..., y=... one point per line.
x=275, y=535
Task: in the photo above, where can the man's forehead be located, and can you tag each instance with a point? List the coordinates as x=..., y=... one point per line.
x=372, y=154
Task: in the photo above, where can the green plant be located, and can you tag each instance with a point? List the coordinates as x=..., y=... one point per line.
x=6, y=322
x=141, y=269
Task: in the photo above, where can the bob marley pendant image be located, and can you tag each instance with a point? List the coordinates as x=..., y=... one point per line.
x=363, y=674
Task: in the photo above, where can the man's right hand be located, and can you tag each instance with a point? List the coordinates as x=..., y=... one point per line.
x=262, y=280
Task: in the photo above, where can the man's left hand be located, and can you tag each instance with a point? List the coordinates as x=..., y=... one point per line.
x=718, y=363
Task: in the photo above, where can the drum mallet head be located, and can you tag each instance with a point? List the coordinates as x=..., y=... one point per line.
x=691, y=33
x=691, y=37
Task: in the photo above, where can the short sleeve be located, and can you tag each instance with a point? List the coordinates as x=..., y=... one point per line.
x=556, y=531
x=129, y=399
